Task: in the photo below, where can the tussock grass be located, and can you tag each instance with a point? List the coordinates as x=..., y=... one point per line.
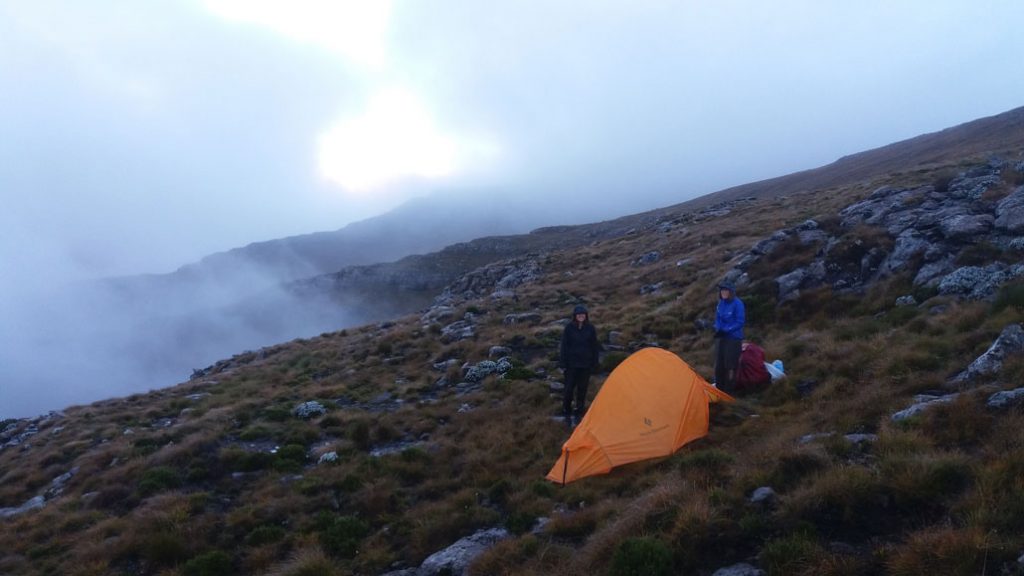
x=233, y=478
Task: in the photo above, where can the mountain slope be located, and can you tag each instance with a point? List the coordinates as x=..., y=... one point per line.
x=415, y=442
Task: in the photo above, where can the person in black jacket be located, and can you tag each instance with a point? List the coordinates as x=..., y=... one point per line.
x=578, y=358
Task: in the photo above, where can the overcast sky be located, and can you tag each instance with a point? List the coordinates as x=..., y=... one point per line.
x=136, y=136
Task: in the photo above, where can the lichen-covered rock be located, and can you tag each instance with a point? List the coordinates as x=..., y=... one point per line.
x=904, y=301
x=1010, y=212
x=307, y=410
x=1006, y=398
x=979, y=282
x=523, y=318
x=480, y=371
x=921, y=403
x=456, y=558
x=460, y=330
x=1010, y=342
x=648, y=258
x=763, y=495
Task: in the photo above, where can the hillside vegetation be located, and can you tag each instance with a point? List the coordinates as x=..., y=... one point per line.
x=224, y=474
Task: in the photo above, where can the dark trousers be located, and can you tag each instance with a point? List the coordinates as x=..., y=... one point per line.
x=576, y=380
x=727, y=360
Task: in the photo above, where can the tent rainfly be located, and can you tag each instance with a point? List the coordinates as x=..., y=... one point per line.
x=651, y=405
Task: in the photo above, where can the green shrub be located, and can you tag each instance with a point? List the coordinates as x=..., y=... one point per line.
x=343, y=535
x=520, y=373
x=163, y=548
x=359, y=432
x=276, y=414
x=1009, y=296
x=611, y=360
x=793, y=467
x=158, y=479
x=254, y=433
x=793, y=554
x=265, y=535
x=642, y=557
x=213, y=563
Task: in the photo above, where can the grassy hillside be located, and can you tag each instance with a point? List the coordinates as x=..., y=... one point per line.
x=219, y=475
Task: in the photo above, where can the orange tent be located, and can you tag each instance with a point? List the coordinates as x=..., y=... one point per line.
x=651, y=405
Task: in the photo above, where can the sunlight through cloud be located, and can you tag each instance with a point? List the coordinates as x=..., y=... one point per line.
x=395, y=138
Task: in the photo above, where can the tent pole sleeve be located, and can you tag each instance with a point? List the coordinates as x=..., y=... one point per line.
x=565, y=468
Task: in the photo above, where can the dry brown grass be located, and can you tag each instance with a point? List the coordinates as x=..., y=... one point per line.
x=927, y=488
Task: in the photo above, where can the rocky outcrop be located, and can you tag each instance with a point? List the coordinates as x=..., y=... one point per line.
x=979, y=282
x=1006, y=398
x=523, y=318
x=55, y=489
x=921, y=403
x=925, y=231
x=1010, y=213
x=454, y=559
x=1010, y=342
x=307, y=410
x=741, y=569
x=492, y=278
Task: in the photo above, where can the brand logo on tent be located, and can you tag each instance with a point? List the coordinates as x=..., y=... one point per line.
x=648, y=422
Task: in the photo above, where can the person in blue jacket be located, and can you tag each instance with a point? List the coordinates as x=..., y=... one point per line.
x=730, y=316
x=578, y=356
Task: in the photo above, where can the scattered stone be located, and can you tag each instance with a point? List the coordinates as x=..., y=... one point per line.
x=460, y=330
x=59, y=483
x=904, y=301
x=328, y=458
x=966, y=225
x=20, y=438
x=979, y=282
x=307, y=410
x=1010, y=342
x=861, y=438
x=392, y=448
x=523, y=318
x=456, y=558
x=808, y=438
x=651, y=288
x=614, y=337
x=465, y=408
x=683, y=262
x=198, y=396
x=480, y=371
x=35, y=503
x=539, y=525
x=921, y=403
x=763, y=495
x=1010, y=212
x=1006, y=398
x=438, y=313
x=498, y=351
x=503, y=365
x=648, y=258
x=444, y=365
x=741, y=569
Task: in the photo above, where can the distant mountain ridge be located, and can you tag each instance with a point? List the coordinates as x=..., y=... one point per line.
x=415, y=279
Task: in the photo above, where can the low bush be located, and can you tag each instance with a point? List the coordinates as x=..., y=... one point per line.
x=158, y=479
x=213, y=563
x=793, y=554
x=342, y=535
x=642, y=557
